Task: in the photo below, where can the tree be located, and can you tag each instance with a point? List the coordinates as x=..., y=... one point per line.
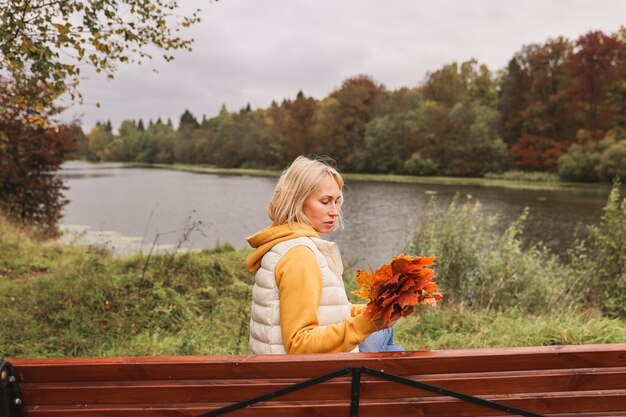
x=299, y=125
x=445, y=85
x=595, y=70
x=385, y=145
x=617, y=93
x=536, y=119
x=98, y=140
x=45, y=42
x=43, y=45
x=455, y=83
x=469, y=144
x=188, y=122
x=31, y=193
x=359, y=100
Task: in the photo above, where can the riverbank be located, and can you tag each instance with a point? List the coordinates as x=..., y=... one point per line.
x=401, y=179
x=57, y=300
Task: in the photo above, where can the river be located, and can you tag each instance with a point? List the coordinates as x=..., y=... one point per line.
x=127, y=209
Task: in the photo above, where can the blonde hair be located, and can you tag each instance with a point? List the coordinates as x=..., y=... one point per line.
x=295, y=185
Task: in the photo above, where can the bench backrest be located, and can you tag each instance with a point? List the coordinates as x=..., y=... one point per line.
x=588, y=380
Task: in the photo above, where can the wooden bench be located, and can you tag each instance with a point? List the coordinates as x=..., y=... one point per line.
x=587, y=380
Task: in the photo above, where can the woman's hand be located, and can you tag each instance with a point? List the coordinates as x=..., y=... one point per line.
x=379, y=322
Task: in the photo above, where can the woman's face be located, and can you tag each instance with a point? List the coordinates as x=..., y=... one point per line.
x=322, y=206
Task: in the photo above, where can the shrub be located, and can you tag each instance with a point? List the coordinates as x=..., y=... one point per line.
x=416, y=165
x=579, y=163
x=482, y=266
x=598, y=262
x=613, y=162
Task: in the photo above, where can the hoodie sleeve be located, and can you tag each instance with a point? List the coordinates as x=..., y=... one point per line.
x=356, y=309
x=299, y=281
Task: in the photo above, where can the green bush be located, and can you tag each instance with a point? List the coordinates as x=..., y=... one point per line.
x=579, y=163
x=416, y=165
x=594, y=161
x=613, y=162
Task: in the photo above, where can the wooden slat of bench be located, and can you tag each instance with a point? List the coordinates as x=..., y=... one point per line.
x=306, y=366
x=554, y=403
x=125, y=392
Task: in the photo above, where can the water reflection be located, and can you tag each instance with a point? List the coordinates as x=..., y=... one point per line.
x=161, y=207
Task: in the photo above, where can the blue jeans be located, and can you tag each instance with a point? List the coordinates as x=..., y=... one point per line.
x=380, y=341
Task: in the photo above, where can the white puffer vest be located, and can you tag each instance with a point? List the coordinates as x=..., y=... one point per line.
x=265, y=331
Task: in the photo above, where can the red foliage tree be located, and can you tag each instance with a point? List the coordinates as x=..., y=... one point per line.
x=30, y=154
x=525, y=152
x=536, y=120
x=594, y=67
x=533, y=152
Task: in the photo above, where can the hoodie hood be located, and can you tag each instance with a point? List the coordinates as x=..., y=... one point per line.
x=267, y=238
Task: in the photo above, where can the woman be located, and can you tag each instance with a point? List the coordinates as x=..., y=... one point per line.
x=299, y=303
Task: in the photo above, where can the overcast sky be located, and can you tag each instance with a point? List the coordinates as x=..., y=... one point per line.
x=258, y=51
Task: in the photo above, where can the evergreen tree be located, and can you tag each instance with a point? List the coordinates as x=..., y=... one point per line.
x=188, y=121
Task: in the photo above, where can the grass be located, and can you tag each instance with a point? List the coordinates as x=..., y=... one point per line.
x=459, y=326
x=64, y=301
x=525, y=176
x=60, y=301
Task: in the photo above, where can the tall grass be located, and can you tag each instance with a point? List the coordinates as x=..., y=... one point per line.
x=96, y=305
x=598, y=261
x=480, y=267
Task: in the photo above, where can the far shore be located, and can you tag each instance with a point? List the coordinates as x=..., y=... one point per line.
x=407, y=179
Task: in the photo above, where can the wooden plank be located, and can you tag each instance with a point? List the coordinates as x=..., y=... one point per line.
x=611, y=402
x=306, y=366
x=125, y=392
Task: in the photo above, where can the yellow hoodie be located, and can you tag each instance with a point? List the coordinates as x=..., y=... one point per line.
x=299, y=280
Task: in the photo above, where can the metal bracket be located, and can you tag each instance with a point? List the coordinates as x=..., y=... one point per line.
x=10, y=399
x=355, y=392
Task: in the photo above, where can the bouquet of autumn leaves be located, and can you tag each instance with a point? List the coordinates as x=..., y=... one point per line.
x=395, y=288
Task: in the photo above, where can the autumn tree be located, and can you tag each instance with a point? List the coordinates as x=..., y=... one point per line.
x=536, y=121
x=299, y=126
x=617, y=94
x=275, y=120
x=45, y=43
x=595, y=68
x=97, y=142
x=43, y=46
x=358, y=100
x=456, y=83
x=30, y=191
